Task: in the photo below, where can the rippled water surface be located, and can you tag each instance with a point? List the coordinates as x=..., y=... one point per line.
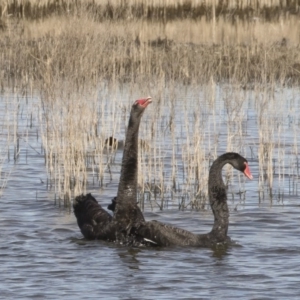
x=43, y=254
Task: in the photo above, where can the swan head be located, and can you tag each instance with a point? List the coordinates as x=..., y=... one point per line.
x=237, y=161
x=142, y=103
x=139, y=106
x=111, y=142
x=240, y=163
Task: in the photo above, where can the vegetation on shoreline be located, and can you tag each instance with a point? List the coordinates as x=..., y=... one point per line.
x=154, y=10
x=83, y=51
x=74, y=43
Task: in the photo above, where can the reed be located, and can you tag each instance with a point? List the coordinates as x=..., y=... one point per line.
x=87, y=66
x=7, y=135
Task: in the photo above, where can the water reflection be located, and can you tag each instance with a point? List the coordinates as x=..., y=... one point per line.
x=220, y=252
x=129, y=257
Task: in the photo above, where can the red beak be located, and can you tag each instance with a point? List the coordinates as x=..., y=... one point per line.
x=247, y=171
x=144, y=102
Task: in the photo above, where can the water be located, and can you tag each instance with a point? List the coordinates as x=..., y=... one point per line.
x=43, y=254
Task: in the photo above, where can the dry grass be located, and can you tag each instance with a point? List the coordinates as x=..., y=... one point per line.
x=82, y=51
x=80, y=64
x=162, y=10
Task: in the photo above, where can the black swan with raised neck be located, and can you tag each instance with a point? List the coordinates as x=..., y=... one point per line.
x=94, y=221
x=165, y=235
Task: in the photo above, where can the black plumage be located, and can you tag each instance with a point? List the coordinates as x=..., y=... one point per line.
x=167, y=235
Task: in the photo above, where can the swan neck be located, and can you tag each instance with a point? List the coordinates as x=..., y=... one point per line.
x=129, y=170
x=218, y=199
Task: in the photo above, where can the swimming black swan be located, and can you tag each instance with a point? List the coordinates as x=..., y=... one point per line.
x=95, y=222
x=114, y=144
x=165, y=235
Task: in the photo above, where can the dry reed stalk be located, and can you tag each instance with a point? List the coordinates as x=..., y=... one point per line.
x=264, y=107
x=8, y=132
x=155, y=170
x=234, y=105
x=199, y=168
x=294, y=162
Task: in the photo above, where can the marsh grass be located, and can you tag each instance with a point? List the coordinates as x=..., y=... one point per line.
x=83, y=51
x=88, y=66
x=6, y=137
x=16, y=128
x=162, y=10
x=73, y=133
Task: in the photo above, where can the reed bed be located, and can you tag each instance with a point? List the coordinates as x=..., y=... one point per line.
x=85, y=52
x=203, y=73
x=8, y=137
x=161, y=10
x=16, y=126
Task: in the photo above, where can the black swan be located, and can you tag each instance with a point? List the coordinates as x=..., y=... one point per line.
x=165, y=235
x=115, y=144
x=95, y=222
